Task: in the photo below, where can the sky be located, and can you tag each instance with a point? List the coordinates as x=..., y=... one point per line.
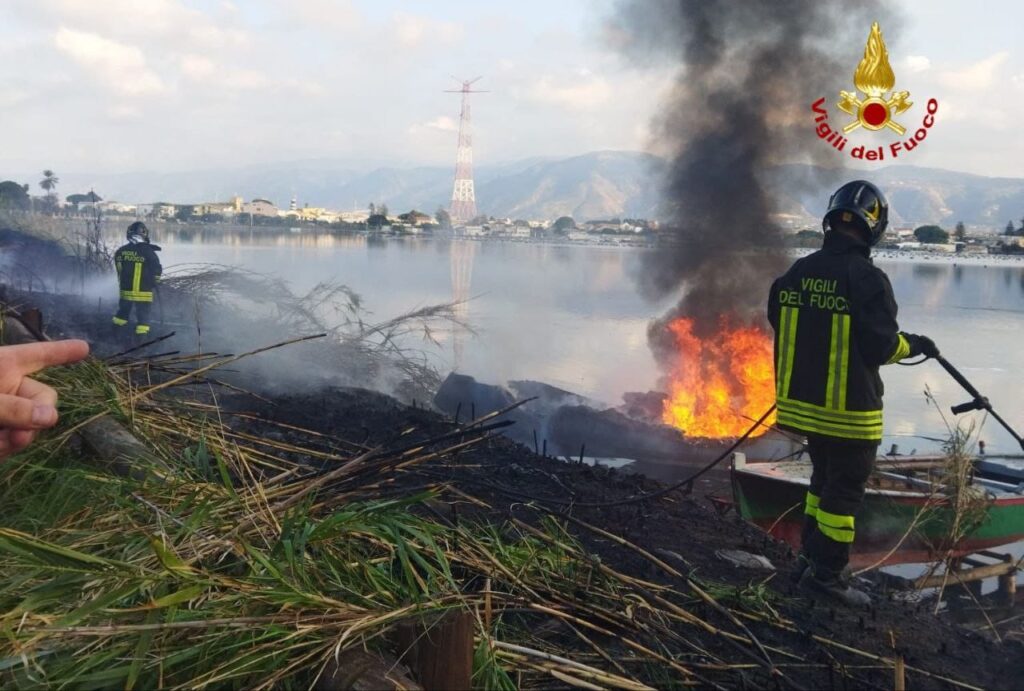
x=125, y=85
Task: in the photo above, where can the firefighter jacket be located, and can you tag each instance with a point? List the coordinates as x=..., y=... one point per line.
x=834, y=317
x=138, y=268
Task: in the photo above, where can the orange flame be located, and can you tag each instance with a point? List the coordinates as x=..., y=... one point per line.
x=874, y=75
x=719, y=386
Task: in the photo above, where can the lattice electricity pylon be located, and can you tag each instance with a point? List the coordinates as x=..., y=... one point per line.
x=463, y=207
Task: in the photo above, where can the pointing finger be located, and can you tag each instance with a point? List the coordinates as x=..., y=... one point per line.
x=20, y=438
x=23, y=413
x=32, y=357
x=38, y=392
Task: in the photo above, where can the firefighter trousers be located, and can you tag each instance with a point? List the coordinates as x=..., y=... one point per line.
x=838, y=480
x=124, y=311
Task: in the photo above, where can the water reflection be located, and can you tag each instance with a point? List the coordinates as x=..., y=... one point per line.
x=462, y=254
x=571, y=315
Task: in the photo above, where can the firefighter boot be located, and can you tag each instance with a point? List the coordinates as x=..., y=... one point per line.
x=833, y=588
x=802, y=565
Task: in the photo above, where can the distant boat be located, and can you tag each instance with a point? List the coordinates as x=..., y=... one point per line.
x=771, y=495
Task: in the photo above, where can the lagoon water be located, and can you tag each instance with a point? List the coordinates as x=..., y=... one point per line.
x=570, y=315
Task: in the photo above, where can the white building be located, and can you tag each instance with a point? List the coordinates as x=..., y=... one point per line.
x=259, y=207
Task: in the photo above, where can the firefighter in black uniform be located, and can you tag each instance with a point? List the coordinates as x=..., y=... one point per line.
x=834, y=317
x=138, y=268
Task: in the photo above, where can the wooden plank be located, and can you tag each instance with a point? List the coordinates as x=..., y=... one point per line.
x=966, y=576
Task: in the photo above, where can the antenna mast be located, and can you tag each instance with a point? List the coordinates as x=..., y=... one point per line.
x=463, y=206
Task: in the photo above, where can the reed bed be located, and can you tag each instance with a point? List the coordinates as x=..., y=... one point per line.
x=234, y=560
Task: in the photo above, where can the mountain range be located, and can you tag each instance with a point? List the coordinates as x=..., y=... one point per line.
x=596, y=185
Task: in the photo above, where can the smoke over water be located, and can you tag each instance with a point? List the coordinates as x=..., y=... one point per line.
x=739, y=107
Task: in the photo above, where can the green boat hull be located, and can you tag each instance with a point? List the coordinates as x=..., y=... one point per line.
x=892, y=527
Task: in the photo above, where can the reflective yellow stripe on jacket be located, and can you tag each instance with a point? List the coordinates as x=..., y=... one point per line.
x=786, y=350
x=136, y=294
x=831, y=419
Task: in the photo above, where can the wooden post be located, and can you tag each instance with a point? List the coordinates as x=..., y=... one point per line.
x=900, y=675
x=440, y=655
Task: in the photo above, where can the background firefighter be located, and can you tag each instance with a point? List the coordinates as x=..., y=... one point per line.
x=138, y=268
x=834, y=317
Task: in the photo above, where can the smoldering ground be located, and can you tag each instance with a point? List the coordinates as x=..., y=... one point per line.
x=747, y=72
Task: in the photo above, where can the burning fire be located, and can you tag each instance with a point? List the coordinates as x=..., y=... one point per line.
x=719, y=386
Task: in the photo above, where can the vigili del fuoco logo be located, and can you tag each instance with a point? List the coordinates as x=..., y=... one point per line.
x=877, y=111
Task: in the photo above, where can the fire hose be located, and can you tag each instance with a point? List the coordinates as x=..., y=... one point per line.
x=637, y=498
x=979, y=402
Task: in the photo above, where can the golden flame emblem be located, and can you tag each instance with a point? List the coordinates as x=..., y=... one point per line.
x=874, y=77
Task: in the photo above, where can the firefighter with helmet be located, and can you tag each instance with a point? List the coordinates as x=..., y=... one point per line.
x=138, y=269
x=834, y=317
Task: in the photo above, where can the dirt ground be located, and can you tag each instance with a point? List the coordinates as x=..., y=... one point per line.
x=684, y=530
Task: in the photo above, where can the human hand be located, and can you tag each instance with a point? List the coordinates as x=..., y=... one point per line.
x=923, y=345
x=26, y=405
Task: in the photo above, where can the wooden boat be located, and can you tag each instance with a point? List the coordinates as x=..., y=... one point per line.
x=906, y=514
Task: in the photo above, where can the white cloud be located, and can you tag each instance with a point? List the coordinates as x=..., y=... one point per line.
x=915, y=64
x=442, y=123
x=990, y=117
x=325, y=15
x=197, y=67
x=160, y=23
x=117, y=66
x=411, y=31
x=201, y=70
x=13, y=96
x=981, y=75
x=583, y=92
x=124, y=112
x=211, y=35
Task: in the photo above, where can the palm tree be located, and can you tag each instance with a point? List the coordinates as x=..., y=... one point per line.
x=49, y=182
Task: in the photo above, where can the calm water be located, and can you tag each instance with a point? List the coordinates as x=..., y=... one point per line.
x=570, y=315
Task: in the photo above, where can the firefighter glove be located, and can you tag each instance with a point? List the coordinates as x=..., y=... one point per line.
x=922, y=345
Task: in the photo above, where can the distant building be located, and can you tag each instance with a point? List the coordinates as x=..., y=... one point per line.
x=354, y=216
x=157, y=210
x=116, y=207
x=260, y=207
x=415, y=218
x=225, y=209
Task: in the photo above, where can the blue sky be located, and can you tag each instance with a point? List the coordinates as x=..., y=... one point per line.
x=124, y=85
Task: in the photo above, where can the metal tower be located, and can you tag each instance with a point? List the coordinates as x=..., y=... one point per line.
x=463, y=206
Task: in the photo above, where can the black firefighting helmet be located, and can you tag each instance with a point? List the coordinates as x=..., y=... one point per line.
x=137, y=232
x=862, y=204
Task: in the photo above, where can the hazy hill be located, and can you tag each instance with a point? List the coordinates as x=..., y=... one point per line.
x=594, y=185
x=600, y=184
x=916, y=195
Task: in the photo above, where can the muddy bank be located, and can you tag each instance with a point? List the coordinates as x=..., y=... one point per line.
x=683, y=530
x=654, y=540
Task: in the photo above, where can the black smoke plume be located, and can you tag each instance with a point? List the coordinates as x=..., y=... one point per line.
x=739, y=107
